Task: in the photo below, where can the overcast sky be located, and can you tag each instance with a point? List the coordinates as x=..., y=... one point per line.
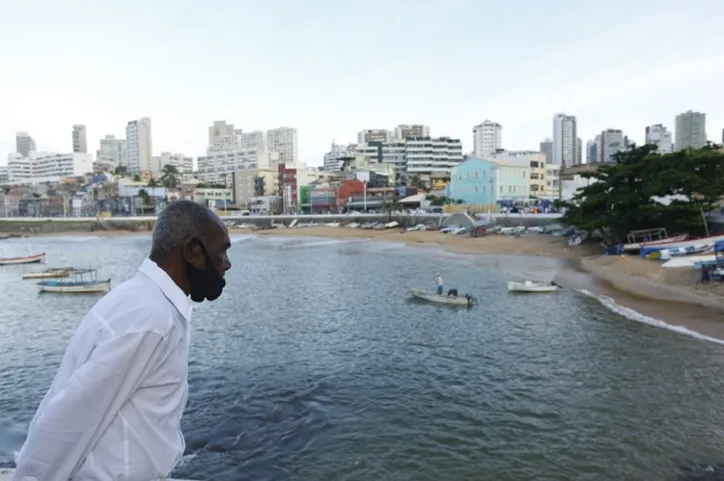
x=331, y=68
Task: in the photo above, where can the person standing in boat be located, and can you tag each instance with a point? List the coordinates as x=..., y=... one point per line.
x=440, y=284
x=113, y=411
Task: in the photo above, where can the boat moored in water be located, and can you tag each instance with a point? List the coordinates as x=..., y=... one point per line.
x=31, y=259
x=530, y=286
x=464, y=300
x=79, y=285
x=52, y=273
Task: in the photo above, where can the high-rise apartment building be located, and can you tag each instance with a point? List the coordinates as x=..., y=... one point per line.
x=183, y=163
x=80, y=142
x=138, y=141
x=416, y=156
x=565, y=140
x=487, y=138
x=690, y=130
x=333, y=157
x=284, y=141
x=113, y=153
x=591, y=152
x=659, y=136
x=579, y=151
x=412, y=131
x=374, y=135
x=24, y=143
x=251, y=140
x=611, y=142
x=547, y=148
x=222, y=138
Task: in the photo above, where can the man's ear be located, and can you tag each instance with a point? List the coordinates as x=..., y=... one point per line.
x=191, y=250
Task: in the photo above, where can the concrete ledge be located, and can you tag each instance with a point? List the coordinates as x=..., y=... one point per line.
x=7, y=475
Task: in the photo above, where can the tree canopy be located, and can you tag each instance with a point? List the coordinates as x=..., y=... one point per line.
x=644, y=189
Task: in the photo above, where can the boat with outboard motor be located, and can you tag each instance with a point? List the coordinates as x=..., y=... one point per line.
x=453, y=300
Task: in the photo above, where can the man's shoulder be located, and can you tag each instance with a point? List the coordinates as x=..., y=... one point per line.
x=136, y=305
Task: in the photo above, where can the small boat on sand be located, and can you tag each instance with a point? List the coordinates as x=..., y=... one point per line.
x=79, y=285
x=530, y=286
x=52, y=273
x=464, y=300
x=31, y=259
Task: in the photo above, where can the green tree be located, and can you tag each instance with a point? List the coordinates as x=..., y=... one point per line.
x=121, y=171
x=437, y=201
x=145, y=198
x=137, y=178
x=416, y=182
x=631, y=193
x=390, y=206
x=170, y=176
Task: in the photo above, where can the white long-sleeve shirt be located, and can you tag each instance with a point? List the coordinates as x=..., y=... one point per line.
x=114, y=409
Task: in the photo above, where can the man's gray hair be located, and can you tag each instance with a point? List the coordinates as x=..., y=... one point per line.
x=179, y=222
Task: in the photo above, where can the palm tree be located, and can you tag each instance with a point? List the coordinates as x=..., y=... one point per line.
x=145, y=198
x=152, y=184
x=170, y=176
x=389, y=207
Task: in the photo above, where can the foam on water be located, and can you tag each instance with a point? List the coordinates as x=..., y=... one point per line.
x=610, y=304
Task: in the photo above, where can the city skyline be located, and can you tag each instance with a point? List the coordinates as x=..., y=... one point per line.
x=306, y=71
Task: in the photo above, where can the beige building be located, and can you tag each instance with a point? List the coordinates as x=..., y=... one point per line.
x=246, y=185
x=553, y=181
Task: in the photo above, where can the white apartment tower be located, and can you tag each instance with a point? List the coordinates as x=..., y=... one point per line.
x=284, y=141
x=251, y=140
x=80, y=142
x=138, y=141
x=113, y=153
x=487, y=138
x=565, y=140
x=24, y=143
x=690, y=130
x=222, y=138
x=332, y=158
x=660, y=136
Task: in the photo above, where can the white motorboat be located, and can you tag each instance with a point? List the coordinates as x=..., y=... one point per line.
x=464, y=300
x=530, y=286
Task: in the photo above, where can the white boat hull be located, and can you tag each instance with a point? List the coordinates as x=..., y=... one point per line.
x=662, y=242
x=8, y=261
x=529, y=286
x=53, y=274
x=433, y=297
x=90, y=288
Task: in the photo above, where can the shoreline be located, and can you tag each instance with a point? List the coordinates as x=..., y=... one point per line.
x=670, y=295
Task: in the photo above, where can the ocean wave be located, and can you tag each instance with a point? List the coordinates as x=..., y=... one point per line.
x=628, y=313
x=241, y=238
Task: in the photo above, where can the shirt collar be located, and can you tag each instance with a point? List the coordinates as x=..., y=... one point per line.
x=169, y=288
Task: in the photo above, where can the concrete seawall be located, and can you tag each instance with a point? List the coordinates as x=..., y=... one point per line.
x=48, y=225
x=7, y=475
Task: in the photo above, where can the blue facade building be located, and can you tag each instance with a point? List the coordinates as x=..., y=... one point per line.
x=478, y=181
x=473, y=181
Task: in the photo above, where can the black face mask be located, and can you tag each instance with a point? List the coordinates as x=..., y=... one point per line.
x=206, y=283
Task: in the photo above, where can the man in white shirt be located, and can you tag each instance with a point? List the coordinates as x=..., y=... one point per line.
x=114, y=409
